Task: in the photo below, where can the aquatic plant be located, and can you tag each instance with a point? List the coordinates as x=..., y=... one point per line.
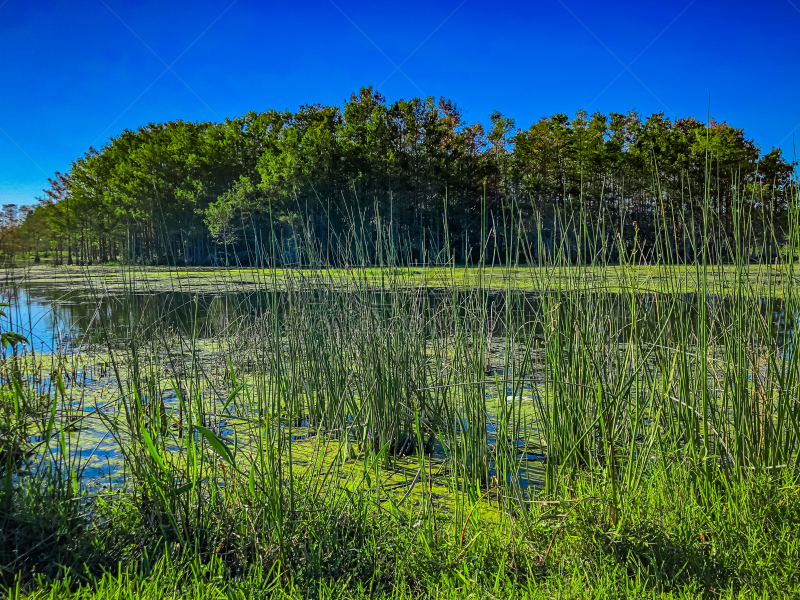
x=397, y=428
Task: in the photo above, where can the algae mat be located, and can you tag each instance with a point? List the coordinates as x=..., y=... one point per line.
x=760, y=280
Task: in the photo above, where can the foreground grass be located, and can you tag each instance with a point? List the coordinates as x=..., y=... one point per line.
x=731, y=541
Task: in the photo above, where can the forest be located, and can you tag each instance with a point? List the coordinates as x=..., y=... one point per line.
x=295, y=188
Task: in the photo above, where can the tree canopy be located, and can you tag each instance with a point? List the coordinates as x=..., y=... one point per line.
x=258, y=185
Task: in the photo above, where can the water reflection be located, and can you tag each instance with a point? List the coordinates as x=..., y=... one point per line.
x=57, y=320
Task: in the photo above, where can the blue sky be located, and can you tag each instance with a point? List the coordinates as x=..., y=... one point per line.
x=74, y=73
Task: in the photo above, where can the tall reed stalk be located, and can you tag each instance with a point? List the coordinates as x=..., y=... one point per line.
x=343, y=393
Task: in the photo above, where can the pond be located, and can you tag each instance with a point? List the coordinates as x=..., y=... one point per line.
x=81, y=327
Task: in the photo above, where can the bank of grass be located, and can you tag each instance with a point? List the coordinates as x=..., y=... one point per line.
x=741, y=541
x=351, y=434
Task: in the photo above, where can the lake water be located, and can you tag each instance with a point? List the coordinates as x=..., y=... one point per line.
x=76, y=321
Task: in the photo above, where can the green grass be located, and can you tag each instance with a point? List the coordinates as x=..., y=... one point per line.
x=742, y=542
x=662, y=399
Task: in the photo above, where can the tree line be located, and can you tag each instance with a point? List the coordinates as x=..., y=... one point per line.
x=325, y=184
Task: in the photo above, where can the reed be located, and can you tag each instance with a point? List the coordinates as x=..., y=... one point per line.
x=381, y=428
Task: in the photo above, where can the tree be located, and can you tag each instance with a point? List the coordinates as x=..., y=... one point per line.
x=354, y=174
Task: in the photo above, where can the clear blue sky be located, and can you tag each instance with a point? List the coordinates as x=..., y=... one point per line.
x=76, y=72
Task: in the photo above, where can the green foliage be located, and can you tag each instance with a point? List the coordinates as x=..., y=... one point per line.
x=180, y=192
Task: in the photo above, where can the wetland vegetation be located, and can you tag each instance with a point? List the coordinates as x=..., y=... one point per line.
x=367, y=433
x=577, y=403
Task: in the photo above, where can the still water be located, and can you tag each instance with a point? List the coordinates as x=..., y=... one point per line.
x=75, y=322
x=54, y=319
